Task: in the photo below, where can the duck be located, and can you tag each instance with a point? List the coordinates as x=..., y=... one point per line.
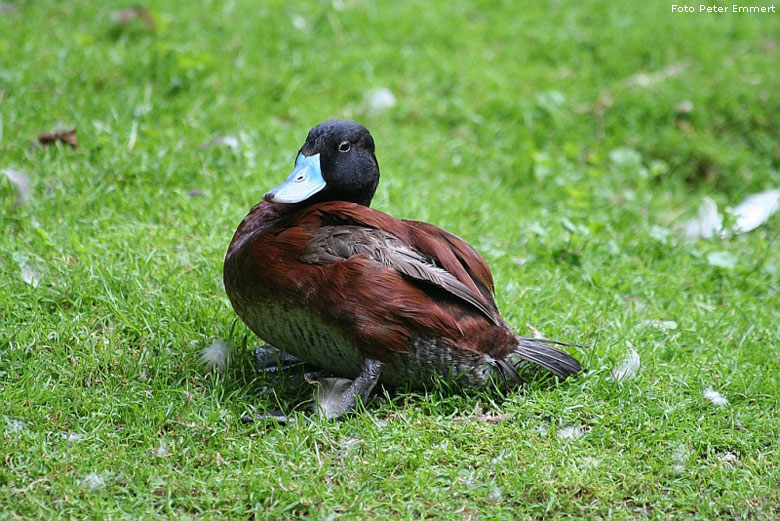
x=318, y=274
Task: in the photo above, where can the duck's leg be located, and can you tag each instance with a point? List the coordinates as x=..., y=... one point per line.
x=338, y=396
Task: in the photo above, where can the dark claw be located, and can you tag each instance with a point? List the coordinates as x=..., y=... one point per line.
x=272, y=360
x=275, y=362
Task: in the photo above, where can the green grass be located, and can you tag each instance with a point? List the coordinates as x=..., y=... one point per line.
x=505, y=130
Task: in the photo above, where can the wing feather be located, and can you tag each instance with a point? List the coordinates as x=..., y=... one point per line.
x=335, y=243
x=444, y=249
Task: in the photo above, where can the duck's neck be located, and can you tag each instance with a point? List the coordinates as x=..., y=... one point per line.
x=360, y=197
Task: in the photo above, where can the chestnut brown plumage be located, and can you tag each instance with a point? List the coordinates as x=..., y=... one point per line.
x=362, y=294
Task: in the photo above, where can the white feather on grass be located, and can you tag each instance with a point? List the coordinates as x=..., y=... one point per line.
x=28, y=271
x=379, y=100
x=680, y=458
x=162, y=450
x=30, y=275
x=535, y=332
x=684, y=107
x=215, y=357
x=22, y=183
x=648, y=79
x=707, y=223
x=299, y=22
x=752, y=212
x=628, y=368
x=221, y=141
x=93, y=481
x=72, y=437
x=722, y=259
x=755, y=210
x=715, y=397
x=496, y=494
x=659, y=324
x=571, y=432
x=728, y=458
x=15, y=426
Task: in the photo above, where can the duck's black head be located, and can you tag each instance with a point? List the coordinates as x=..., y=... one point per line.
x=336, y=163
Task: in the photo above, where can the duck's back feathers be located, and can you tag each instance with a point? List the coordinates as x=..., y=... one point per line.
x=337, y=243
x=439, y=247
x=454, y=255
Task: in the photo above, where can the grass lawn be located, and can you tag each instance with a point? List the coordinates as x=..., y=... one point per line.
x=568, y=141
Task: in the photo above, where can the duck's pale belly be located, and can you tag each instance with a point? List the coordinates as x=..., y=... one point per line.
x=311, y=339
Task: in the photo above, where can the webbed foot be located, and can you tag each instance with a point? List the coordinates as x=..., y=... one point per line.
x=338, y=396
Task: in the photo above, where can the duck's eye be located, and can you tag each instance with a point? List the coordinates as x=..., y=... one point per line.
x=344, y=146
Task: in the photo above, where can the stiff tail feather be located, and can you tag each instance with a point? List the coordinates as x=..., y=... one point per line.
x=542, y=352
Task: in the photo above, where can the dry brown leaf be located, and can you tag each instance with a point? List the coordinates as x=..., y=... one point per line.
x=221, y=461
x=770, y=45
x=67, y=137
x=7, y=8
x=122, y=17
x=482, y=417
x=491, y=420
